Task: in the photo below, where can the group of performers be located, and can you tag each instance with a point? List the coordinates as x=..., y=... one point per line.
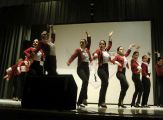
x=142, y=85
x=40, y=59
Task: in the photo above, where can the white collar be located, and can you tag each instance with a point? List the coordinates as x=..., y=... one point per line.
x=145, y=63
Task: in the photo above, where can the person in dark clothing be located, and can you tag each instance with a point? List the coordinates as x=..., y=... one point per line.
x=121, y=59
x=84, y=58
x=49, y=47
x=103, y=58
x=145, y=80
x=136, y=71
x=159, y=78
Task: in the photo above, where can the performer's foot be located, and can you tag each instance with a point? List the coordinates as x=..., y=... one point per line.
x=85, y=102
x=137, y=105
x=161, y=105
x=103, y=105
x=121, y=106
x=81, y=105
x=132, y=105
x=146, y=106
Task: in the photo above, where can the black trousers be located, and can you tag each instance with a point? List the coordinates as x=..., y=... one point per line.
x=36, y=69
x=83, y=72
x=124, y=85
x=146, y=85
x=160, y=90
x=103, y=74
x=138, y=89
x=50, y=65
x=18, y=83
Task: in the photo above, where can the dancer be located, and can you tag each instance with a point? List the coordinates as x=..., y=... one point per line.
x=136, y=71
x=18, y=71
x=38, y=54
x=84, y=57
x=103, y=58
x=145, y=80
x=121, y=60
x=18, y=68
x=159, y=77
x=48, y=45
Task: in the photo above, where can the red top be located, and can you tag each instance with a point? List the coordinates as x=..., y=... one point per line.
x=31, y=50
x=134, y=67
x=78, y=53
x=159, y=70
x=22, y=63
x=145, y=71
x=99, y=53
x=120, y=59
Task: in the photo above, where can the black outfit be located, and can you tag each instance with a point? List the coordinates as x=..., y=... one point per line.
x=36, y=69
x=103, y=74
x=146, y=85
x=21, y=79
x=124, y=85
x=160, y=90
x=18, y=83
x=83, y=72
x=138, y=90
x=50, y=65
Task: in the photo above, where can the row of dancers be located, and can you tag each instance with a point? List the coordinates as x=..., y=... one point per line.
x=40, y=59
x=142, y=85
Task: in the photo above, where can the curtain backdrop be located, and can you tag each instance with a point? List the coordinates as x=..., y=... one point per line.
x=12, y=39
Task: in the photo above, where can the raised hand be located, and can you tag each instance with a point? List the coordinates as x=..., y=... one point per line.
x=86, y=33
x=137, y=47
x=111, y=33
x=132, y=45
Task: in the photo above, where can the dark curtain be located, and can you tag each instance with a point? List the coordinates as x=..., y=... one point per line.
x=41, y=12
x=12, y=39
x=4, y=3
x=157, y=45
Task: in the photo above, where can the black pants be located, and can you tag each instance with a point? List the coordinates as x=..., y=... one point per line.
x=103, y=74
x=22, y=79
x=83, y=72
x=138, y=89
x=50, y=65
x=160, y=90
x=19, y=85
x=146, y=85
x=124, y=84
x=36, y=69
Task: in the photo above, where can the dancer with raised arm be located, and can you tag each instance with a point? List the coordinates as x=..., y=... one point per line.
x=136, y=72
x=121, y=60
x=103, y=58
x=145, y=79
x=49, y=47
x=84, y=58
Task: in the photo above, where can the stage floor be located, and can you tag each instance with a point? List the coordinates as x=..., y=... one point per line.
x=10, y=106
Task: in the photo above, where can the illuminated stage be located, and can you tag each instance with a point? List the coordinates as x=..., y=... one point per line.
x=10, y=109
